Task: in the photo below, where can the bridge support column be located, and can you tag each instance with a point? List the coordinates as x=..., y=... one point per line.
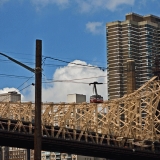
x=63, y=133
x=52, y=131
x=3, y=153
x=30, y=128
x=28, y=154
x=9, y=123
x=86, y=136
x=96, y=138
x=74, y=134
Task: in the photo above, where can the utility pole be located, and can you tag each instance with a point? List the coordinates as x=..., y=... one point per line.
x=38, y=96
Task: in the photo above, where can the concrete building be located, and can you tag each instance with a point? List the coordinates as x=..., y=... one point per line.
x=137, y=37
x=17, y=154
x=8, y=153
x=77, y=98
x=10, y=97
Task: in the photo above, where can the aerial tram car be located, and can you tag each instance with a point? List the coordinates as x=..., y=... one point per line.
x=95, y=98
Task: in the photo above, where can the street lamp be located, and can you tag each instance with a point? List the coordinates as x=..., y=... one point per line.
x=38, y=94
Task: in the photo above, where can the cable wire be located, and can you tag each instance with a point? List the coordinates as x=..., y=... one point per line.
x=13, y=76
x=81, y=78
x=32, y=84
x=103, y=68
x=74, y=80
x=25, y=81
x=69, y=82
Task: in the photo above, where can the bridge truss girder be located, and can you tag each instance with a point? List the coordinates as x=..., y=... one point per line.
x=136, y=115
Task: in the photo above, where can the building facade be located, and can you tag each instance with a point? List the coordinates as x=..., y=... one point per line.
x=137, y=38
x=8, y=153
x=10, y=97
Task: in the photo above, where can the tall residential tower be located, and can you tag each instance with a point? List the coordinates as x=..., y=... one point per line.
x=137, y=38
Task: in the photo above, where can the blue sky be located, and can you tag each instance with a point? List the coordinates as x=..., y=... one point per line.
x=70, y=30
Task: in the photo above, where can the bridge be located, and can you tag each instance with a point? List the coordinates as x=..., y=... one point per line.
x=128, y=127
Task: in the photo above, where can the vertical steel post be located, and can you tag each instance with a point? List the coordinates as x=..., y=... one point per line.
x=28, y=154
x=38, y=90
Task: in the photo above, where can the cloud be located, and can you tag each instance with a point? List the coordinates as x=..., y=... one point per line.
x=84, y=6
x=3, y=1
x=113, y=4
x=142, y=3
x=58, y=91
x=64, y=77
x=42, y=3
x=95, y=27
x=6, y=90
x=94, y=5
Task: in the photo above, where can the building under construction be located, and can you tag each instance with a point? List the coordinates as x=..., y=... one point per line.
x=132, y=44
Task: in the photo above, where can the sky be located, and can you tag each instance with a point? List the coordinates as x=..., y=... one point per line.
x=72, y=32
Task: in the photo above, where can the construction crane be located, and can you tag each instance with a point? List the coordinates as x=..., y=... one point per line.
x=95, y=98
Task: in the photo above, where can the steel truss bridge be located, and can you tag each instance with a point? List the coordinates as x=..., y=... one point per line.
x=128, y=127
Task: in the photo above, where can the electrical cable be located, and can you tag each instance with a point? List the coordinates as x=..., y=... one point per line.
x=13, y=76
x=60, y=60
x=47, y=65
x=103, y=68
x=17, y=53
x=81, y=78
x=51, y=80
x=25, y=81
x=66, y=82
x=72, y=59
x=32, y=84
x=8, y=61
x=69, y=82
x=73, y=80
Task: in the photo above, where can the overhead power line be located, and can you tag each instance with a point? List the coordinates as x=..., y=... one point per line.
x=79, y=78
x=13, y=76
x=32, y=84
x=64, y=81
x=74, y=80
x=25, y=81
x=19, y=54
x=46, y=64
x=60, y=60
x=51, y=80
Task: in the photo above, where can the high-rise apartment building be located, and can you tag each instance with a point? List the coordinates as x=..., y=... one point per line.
x=136, y=38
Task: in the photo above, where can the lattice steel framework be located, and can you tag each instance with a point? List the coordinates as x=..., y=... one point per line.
x=136, y=115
